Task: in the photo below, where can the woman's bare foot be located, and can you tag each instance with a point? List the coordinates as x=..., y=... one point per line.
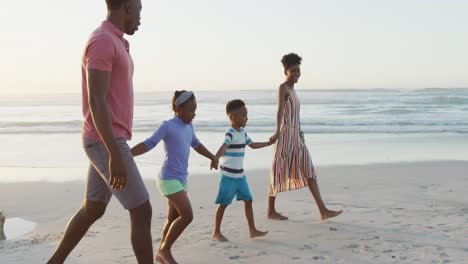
x=329, y=214
x=276, y=216
x=166, y=257
x=219, y=237
x=158, y=259
x=258, y=233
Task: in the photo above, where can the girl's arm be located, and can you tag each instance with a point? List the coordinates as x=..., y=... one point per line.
x=151, y=142
x=139, y=149
x=204, y=152
x=282, y=92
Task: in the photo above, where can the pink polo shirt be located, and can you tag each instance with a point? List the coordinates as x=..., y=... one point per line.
x=107, y=50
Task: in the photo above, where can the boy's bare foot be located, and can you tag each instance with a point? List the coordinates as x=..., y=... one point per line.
x=258, y=233
x=219, y=237
x=329, y=214
x=276, y=216
x=166, y=257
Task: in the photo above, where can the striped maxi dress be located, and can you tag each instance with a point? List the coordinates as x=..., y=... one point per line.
x=292, y=163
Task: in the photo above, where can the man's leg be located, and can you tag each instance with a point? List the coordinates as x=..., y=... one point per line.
x=79, y=224
x=141, y=233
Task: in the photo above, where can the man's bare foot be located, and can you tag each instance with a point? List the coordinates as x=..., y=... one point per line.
x=329, y=214
x=258, y=233
x=219, y=237
x=276, y=216
x=166, y=257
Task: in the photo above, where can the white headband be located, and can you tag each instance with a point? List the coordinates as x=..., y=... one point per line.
x=183, y=97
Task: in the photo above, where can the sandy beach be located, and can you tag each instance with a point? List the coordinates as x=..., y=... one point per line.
x=393, y=213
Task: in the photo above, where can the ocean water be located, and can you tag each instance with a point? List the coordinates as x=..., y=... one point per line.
x=41, y=134
x=322, y=111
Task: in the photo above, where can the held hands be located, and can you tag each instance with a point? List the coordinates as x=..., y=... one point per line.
x=117, y=172
x=214, y=163
x=273, y=138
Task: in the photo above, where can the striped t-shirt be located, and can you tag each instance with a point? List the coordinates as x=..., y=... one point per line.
x=232, y=162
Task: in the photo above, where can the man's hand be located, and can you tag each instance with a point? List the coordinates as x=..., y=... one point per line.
x=117, y=172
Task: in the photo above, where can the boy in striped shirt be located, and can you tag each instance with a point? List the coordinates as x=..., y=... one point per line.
x=233, y=180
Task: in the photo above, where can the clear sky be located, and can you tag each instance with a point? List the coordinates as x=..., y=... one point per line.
x=227, y=44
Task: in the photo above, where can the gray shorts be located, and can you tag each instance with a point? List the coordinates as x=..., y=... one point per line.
x=97, y=183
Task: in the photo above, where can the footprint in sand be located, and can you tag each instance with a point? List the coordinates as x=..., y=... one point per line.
x=363, y=248
x=370, y=238
x=308, y=246
x=294, y=258
x=237, y=257
x=318, y=258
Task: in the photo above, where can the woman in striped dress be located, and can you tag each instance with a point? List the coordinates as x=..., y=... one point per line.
x=292, y=165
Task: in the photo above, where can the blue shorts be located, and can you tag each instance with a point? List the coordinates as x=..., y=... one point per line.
x=230, y=187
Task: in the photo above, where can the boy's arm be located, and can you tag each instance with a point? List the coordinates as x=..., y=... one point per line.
x=221, y=151
x=139, y=149
x=257, y=145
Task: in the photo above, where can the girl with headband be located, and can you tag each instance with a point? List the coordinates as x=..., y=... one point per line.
x=178, y=136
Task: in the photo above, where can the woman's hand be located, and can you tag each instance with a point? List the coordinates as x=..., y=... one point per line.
x=273, y=138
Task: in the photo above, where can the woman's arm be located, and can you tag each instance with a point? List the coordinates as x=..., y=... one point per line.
x=282, y=92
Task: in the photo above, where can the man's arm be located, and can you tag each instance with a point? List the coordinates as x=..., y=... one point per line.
x=98, y=88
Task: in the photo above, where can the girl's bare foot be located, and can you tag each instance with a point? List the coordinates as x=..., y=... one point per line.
x=166, y=257
x=258, y=233
x=276, y=216
x=219, y=237
x=329, y=214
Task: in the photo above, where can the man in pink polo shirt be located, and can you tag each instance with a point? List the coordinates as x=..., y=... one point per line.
x=107, y=72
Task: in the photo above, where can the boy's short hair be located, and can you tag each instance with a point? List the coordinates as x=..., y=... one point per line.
x=290, y=59
x=234, y=105
x=177, y=94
